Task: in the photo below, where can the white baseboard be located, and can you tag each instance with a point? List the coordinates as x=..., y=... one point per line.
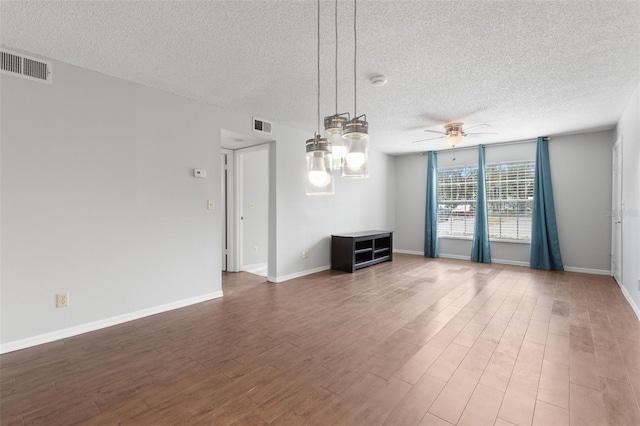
x=510, y=262
x=108, y=322
x=298, y=274
x=253, y=267
x=498, y=261
x=627, y=296
x=588, y=271
x=417, y=253
x=256, y=268
x=454, y=256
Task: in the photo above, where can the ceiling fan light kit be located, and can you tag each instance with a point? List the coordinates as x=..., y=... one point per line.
x=454, y=133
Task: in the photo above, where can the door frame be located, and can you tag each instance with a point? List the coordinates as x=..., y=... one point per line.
x=228, y=203
x=617, y=212
x=239, y=202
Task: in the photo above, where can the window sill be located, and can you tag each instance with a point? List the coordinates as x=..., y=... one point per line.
x=454, y=237
x=491, y=240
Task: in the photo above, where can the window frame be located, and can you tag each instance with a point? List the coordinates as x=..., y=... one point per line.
x=518, y=207
x=468, y=235
x=449, y=209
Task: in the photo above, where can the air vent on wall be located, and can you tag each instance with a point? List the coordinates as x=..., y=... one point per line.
x=261, y=126
x=23, y=66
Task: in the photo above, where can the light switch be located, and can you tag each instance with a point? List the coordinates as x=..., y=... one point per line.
x=252, y=206
x=210, y=204
x=199, y=173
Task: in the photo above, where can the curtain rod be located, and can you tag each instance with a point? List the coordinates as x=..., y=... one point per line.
x=489, y=145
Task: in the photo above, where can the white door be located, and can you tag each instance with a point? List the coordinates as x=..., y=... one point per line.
x=617, y=210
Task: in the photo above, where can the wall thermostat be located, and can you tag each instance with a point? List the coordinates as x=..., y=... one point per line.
x=199, y=173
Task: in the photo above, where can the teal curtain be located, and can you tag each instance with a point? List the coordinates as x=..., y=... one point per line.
x=431, y=216
x=545, y=245
x=480, y=248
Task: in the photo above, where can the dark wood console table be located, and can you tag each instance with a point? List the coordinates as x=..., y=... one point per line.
x=356, y=250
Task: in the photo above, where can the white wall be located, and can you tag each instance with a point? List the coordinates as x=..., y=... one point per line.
x=581, y=174
x=98, y=200
x=253, y=168
x=629, y=129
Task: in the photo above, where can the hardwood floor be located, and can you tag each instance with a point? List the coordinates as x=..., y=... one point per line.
x=414, y=341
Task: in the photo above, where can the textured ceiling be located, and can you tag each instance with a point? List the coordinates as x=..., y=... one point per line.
x=528, y=68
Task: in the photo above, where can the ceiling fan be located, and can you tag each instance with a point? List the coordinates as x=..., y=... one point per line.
x=454, y=133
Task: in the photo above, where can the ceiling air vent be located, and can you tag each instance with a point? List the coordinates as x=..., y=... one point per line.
x=23, y=66
x=261, y=126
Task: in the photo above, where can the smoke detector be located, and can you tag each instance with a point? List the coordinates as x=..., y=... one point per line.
x=378, y=80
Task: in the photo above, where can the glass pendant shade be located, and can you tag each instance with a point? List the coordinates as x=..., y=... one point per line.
x=319, y=167
x=356, y=142
x=334, y=125
x=338, y=150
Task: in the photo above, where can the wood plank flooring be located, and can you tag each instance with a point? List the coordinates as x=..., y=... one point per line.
x=412, y=342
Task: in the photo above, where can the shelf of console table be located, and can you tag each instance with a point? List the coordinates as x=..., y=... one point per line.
x=356, y=250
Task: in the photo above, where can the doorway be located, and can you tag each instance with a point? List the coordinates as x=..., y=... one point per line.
x=248, y=195
x=252, y=204
x=617, y=213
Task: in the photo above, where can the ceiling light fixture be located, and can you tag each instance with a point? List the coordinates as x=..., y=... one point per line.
x=454, y=132
x=319, y=158
x=334, y=124
x=356, y=130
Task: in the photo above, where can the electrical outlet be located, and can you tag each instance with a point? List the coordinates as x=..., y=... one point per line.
x=255, y=249
x=305, y=254
x=62, y=300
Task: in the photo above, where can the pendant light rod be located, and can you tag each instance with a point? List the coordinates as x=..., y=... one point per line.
x=355, y=58
x=335, y=22
x=318, y=69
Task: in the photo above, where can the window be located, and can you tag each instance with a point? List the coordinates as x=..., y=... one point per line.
x=510, y=199
x=457, y=190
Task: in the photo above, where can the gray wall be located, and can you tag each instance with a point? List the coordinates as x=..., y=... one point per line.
x=99, y=200
x=628, y=129
x=410, y=203
x=581, y=174
x=305, y=223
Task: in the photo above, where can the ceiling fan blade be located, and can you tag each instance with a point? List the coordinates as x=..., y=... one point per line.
x=481, y=134
x=429, y=139
x=477, y=126
x=435, y=131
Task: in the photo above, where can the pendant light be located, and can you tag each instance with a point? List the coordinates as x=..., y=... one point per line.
x=319, y=158
x=356, y=131
x=334, y=124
